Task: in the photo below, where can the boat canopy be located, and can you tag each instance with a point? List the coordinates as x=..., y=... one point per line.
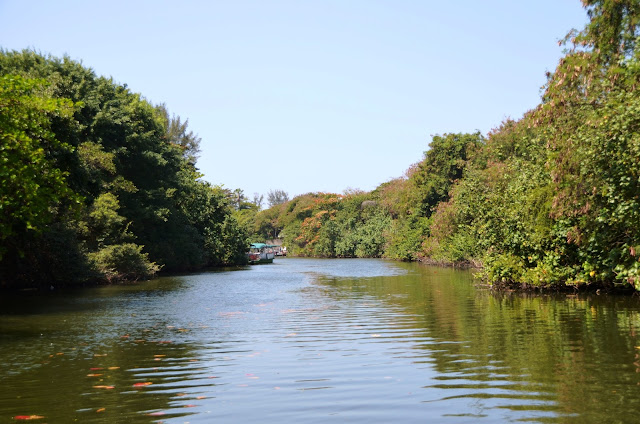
x=261, y=245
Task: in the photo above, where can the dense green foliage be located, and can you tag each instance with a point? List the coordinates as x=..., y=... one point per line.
x=98, y=184
x=327, y=225
x=391, y=221
x=552, y=199
x=32, y=186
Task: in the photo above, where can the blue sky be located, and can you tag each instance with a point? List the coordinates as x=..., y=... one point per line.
x=305, y=95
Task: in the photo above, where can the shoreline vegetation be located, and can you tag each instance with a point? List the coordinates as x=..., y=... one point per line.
x=99, y=185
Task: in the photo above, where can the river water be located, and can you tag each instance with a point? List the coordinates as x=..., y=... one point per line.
x=315, y=341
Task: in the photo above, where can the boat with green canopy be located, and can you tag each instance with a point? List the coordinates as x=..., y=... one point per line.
x=261, y=253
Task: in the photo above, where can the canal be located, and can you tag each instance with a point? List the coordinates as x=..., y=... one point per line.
x=314, y=341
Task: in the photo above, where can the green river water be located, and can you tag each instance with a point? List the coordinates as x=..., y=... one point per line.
x=314, y=341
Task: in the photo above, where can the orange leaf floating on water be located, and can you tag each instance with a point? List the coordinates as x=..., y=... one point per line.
x=159, y=356
x=96, y=369
x=104, y=387
x=113, y=368
x=230, y=314
x=28, y=417
x=101, y=409
x=146, y=383
x=201, y=397
x=94, y=375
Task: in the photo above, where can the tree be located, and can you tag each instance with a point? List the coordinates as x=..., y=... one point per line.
x=613, y=29
x=176, y=133
x=258, y=199
x=33, y=187
x=442, y=166
x=277, y=197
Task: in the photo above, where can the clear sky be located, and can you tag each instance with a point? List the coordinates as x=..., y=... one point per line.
x=303, y=95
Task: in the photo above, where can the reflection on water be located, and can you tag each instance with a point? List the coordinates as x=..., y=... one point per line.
x=317, y=341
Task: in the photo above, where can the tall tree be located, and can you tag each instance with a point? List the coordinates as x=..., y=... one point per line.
x=178, y=134
x=277, y=197
x=258, y=199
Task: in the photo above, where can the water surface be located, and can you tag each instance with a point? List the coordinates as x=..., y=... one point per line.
x=305, y=340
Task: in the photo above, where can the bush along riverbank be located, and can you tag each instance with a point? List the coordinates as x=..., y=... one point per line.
x=551, y=200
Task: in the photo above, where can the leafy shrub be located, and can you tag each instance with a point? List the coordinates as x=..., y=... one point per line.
x=125, y=261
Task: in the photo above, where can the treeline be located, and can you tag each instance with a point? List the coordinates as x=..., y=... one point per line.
x=550, y=200
x=97, y=184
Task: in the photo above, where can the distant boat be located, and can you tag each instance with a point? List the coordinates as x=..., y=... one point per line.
x=280, y=251
x=260, y=253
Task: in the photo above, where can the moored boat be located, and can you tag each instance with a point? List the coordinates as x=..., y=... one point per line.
x=260, y=253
